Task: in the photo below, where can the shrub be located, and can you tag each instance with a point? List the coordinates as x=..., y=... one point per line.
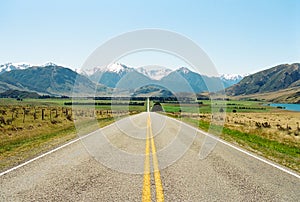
x=221, y=109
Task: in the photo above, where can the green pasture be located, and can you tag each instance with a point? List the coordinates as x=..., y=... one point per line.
x=208, y=106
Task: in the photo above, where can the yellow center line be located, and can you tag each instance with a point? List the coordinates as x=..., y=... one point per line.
x=158, y=184
x=146, y=197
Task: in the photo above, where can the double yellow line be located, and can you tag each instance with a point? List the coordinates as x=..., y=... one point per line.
x=146, y=197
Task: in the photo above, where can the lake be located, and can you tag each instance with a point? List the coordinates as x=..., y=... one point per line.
x=291, y=107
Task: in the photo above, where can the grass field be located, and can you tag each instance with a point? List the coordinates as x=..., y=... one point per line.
x=207, y=106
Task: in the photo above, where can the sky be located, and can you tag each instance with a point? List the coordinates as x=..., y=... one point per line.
x=239, y=36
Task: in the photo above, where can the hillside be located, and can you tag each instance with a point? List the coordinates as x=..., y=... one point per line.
x=289, y=95
x=271, y=80
x=152, y=90
x=19, y=94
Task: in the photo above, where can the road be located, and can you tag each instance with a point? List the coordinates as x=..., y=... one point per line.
x=147, y=157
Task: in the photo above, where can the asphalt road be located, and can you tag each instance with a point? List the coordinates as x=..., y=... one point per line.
x=147, y=157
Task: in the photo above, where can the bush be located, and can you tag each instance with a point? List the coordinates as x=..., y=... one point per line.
x=221, y=109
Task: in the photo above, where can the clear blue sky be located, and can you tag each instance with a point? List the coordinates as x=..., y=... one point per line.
x=239, y=36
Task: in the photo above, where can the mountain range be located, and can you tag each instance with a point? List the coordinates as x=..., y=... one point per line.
x=52, y=79
x=181, y=80
x=20, y=66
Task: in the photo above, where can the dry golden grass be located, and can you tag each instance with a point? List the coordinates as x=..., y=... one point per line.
x=282, y=126
x=279, y=125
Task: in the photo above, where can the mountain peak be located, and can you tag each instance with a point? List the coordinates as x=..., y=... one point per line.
x=232, y=76
x=113, y=68
x=117, y=68
x=47, y=64
x=185, y=70
x=13, y=66
x=154, y=72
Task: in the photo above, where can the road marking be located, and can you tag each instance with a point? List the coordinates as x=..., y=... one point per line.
x=239, y=149
x=146, y=197
x=157, y=178
x=148, y=105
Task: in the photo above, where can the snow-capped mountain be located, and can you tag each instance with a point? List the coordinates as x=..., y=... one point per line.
x=232, y=76
x=113, y=68
x=47, y=64
x=231, y=79
x=184, y=80
x=117, y=68
x=117, y=75
x=13, y=66
x=154, y=72
x=87, y=72
x=180, y=80
x=23, y=65
x=184, y=70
